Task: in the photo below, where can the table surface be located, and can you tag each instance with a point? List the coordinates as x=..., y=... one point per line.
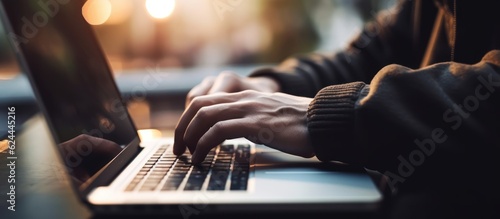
x=43, y=191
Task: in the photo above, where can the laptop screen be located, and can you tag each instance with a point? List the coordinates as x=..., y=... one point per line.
x=73, y=82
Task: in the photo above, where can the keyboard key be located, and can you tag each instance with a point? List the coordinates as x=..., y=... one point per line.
x=167, y=160
x=243, y=147
x=241, y=159
x=130, y=187
x=216, y=185
x=159, y=173
x=182, y=165
x=173, y=183
x=155, y=176
x=170, y=186
x=194, y=183
x=193, y=187
x=221, y=166
x=236, y=185
x=227, y=147
x=174, y=179
x=222, y=163
x=177, y=175
x=152, y=180
x=224, y=156
x=218, y=180
x=142, y=173
x=181, y=169
x=163, y=165
x=148, y=187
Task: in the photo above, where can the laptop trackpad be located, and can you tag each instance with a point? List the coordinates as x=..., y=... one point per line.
x=283, y=173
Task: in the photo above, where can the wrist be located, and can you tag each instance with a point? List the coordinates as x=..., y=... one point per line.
x=331, y=123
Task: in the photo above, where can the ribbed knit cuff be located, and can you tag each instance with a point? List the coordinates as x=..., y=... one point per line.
x=331, y=119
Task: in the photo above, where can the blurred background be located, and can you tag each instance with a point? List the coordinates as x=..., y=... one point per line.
x=185, y=40
x=137, y=34
x=174, y=44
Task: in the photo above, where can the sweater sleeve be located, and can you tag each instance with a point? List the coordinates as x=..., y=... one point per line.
x=383, y=41
x=438, y=122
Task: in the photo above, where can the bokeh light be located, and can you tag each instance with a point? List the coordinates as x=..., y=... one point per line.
x=160, y=8
x=96, y=12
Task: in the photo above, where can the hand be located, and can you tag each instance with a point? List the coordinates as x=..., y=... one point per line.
x=84, y=155
x=275, y=119
x=230, y=82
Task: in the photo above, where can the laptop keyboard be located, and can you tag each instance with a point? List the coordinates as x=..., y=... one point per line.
x=226, y=167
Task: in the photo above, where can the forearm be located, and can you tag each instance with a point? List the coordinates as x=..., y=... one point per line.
x=445, y=115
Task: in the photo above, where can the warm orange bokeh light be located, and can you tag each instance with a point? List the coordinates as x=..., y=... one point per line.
x=160, y=8
x=96, y=12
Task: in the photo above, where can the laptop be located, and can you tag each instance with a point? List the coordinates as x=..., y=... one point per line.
x=112, y=170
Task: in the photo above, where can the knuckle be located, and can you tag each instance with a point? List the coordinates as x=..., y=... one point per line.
x=191, y=96
x=197, y=102
x=247, y=93
x=203, y=113
x=229, y=77
x=193, y=91
x=218, y=128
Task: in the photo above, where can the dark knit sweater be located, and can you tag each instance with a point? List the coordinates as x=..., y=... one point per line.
x=394, y=100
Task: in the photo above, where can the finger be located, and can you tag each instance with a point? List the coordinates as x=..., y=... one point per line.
x=190, y=112
x=206, y=117
x=225, y=82
x=90, y=144
x=200, y=89
x=107, y=149
x=219, y=132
